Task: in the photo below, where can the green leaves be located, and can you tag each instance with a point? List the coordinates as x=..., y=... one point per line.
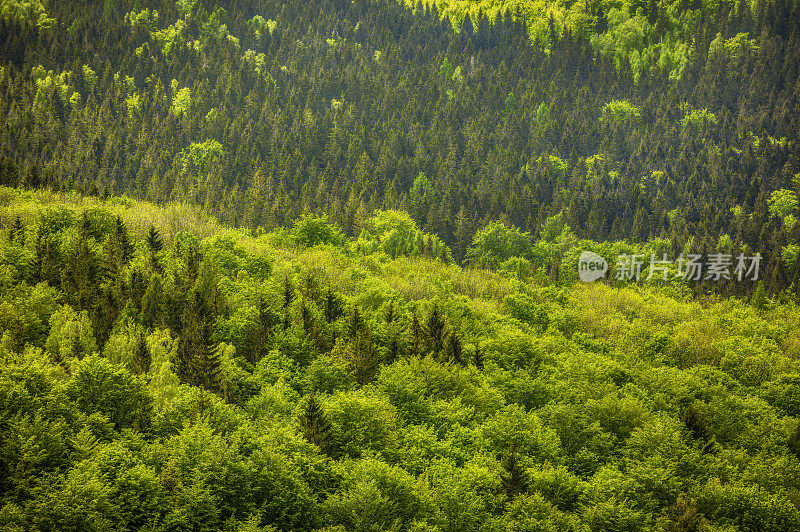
x=783, y=203
x=71, y=335
x=99, y=386
x=620, y=111
x=497, y=243
x=699, y=120
x=182, y=101
x=310, y=230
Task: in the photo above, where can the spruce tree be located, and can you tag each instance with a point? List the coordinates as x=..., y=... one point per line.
x=478, y=356
x=356, y=324
x=198, y=360
x=17, y=233
x=153, y=304
x=513, y=479
x=332, y=306
x=759, y=299
x=141, y=358
x=454, y=348
x=435, y=330
x=415, y=336
x=314, y=424
x=155, y=245
x=288, y=297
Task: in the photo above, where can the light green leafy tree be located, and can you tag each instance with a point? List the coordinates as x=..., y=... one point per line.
x=497, y=243
x=310, y=230
x=620, y=111
x=182, y=101
x=783, y=203
x=71, y=335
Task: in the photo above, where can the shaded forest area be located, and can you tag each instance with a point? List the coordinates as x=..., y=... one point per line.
x=161, y=372
x=262, y=111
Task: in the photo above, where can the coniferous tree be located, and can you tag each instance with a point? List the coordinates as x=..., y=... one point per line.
x=155, y=244
x=435, y=331
x=46, y=262
x=288, y=297
x=454, y=348
x=141, y=357
x=118, y=250
x=759, y=298
x=332, y=306
x=81, y=273
x=262, y=333
x=478, y=356
x=513, y=479
x=17, y=233
x=153, y=303
x=363, y=356
x=314, y=424
x=416, y=338
x=356, y=324
x=198, y=361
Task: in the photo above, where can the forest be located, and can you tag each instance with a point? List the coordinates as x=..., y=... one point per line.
x=637, y=121
x=161, y=371
x=276, y=266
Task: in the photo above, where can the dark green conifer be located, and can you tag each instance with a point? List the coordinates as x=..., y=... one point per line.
x=314, y=424
x=198, y=361
x=332, y=306
x=513, y=479
x=154, y=244
x=478, y=356
x=435, y=330
x=141, y=358
x=454, y=348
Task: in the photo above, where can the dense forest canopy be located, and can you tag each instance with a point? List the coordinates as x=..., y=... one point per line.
x=315, y=265
x=636, y=120
x=159, y=371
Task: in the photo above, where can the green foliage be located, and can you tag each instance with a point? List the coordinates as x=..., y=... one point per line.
x=192, y=416
x=748, y=508
x=497, y=243
x=182, y=101
x=377, y=496
x=213, y=31
x=310, y=231
x=542, y=114
x=171, y=38
x=517, y=431
x=260, y=26
x=396, y=233
x=783, y=203
x=618, y=111
x=32, y=12
x=362, y=423
x=280, y=370
x=510, y=104
x=422, y=190
x=185, y=7
x=699, y=120
x=71, y=335
x=97, y=386
x=145, y=19
x=50, y=86
x=731, y=49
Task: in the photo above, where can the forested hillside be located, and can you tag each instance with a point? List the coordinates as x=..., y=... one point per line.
x=314, y=265
x=159, y=371
x=636, y=120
